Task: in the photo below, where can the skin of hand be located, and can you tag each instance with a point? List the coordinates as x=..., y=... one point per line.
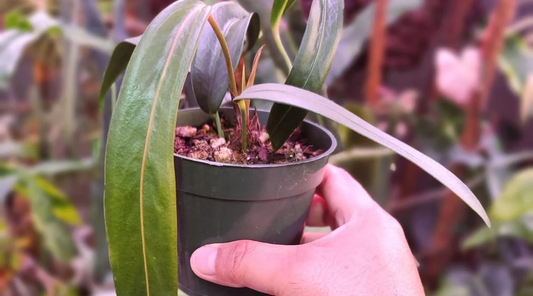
x=365, y=254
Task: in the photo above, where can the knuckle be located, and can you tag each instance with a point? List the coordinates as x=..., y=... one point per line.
x=391, y=223
x=231, y=262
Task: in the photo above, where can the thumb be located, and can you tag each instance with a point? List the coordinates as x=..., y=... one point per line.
x=259, y=266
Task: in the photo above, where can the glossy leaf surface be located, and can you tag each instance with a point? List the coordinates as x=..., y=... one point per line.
x=311, y=65
x=117, y=64
x=289, y=95
x=140, y=192
x=208, y=72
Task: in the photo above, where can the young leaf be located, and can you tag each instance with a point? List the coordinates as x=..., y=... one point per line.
x=289, y=95
x=311, y=65
x=140, y=192
x=263, y=8
x=278, y=9
x=255, y=63
x=117, y=64
x=208, y=71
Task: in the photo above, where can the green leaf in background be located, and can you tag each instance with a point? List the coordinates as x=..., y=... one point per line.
x=56, y=236
x=279, y=7
x=117, y=64
x=310, y=67
x=14, y=42
x=140, y=191
x=516, y=198
x=208, y=71
x=355, y=35
x=285, y=94
x=263, y=8
x=16, y=20
x=62, y=208
x=22, y=32
x=516, y=62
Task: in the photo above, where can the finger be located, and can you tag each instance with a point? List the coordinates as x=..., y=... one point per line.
x=259, y=266
x=309, y=237
x=318, y=214
x=346, y=199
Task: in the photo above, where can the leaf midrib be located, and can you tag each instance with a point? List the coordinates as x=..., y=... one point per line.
x=148, y=138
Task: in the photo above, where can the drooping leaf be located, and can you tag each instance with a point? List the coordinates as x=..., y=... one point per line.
x=289, y=95
x=11, y=53
x=56, y=236
x=62, y=208
x=82, y=37
x=140, y=192
x=355, y=35
x=208, y=72
x=117, y=64
x=60, y=205
x=14, y=42
x=23, y=32
x=310, y=67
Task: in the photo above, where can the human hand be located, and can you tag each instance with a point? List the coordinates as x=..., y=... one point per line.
x=365, y=254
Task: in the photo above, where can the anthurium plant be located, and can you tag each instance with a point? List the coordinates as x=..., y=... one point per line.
x=206, y=42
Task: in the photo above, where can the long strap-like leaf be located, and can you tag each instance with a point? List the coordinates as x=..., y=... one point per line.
x=140, y=193
x=289, y=95
x=311, y=65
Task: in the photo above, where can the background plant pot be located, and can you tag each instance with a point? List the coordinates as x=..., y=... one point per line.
x=223, y=202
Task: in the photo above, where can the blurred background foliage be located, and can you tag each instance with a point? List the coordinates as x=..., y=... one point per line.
x=450, y=77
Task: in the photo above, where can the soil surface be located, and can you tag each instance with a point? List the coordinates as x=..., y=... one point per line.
x=203, y=143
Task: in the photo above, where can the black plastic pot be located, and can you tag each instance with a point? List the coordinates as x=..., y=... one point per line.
x=223, y=202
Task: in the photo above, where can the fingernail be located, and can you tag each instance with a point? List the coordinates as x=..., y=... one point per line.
x=203, y=260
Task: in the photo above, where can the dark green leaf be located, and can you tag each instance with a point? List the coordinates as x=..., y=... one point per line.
x=208, y=71
x=355, y=35
x=285, y=94
x=140, y=191
x=117, y=64
x=310, y=67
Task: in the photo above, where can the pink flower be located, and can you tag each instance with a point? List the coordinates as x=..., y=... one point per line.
x=458, y=76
